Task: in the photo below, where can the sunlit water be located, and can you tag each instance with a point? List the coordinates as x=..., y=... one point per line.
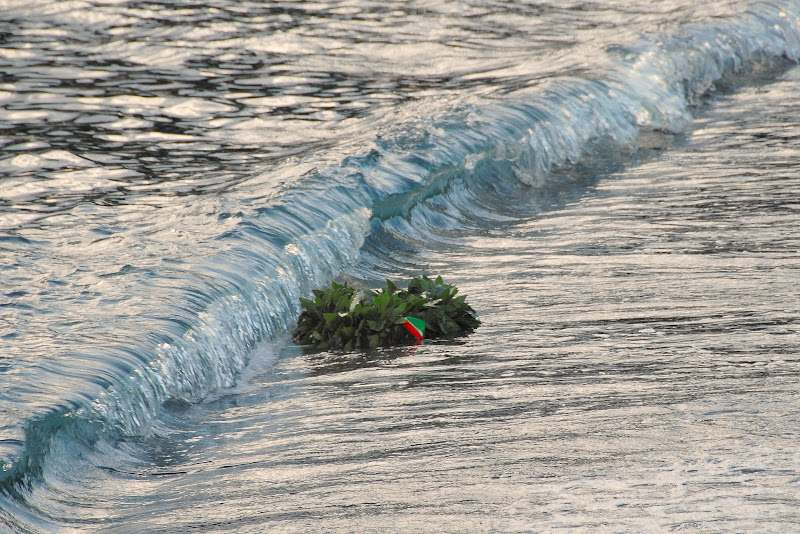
x=613, y=186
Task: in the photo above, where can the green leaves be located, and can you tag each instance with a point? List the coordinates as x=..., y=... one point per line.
x=341, y=317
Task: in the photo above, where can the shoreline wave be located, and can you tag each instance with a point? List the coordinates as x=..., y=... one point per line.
x=325, y=219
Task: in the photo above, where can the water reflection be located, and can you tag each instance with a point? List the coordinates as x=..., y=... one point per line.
x=144, y=98
x=139, y=138
x=331, y=363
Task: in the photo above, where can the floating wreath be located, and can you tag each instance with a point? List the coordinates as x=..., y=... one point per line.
x=342, y=317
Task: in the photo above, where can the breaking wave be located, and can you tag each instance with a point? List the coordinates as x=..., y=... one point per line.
x=314, y=229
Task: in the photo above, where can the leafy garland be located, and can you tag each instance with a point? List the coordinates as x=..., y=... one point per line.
x=342, y=317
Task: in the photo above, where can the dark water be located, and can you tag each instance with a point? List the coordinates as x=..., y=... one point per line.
x=613, y=185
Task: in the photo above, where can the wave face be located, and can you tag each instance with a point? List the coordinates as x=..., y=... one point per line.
x=164, y=228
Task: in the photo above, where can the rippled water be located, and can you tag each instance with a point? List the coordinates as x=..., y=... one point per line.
x=614, y=186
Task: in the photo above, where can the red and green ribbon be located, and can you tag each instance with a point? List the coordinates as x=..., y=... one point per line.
x=416, y=327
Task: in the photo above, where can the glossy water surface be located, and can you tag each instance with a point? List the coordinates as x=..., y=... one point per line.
x=636, y=371
x=613, y=185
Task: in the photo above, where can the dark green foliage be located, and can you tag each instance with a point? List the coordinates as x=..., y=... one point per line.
x=342, y=317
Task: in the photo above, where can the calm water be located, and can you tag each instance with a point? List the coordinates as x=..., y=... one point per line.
x=613, y=185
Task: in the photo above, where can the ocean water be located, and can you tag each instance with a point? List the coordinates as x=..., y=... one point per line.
x=614, y=186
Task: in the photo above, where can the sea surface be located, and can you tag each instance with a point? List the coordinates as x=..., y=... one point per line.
x=614, y=185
